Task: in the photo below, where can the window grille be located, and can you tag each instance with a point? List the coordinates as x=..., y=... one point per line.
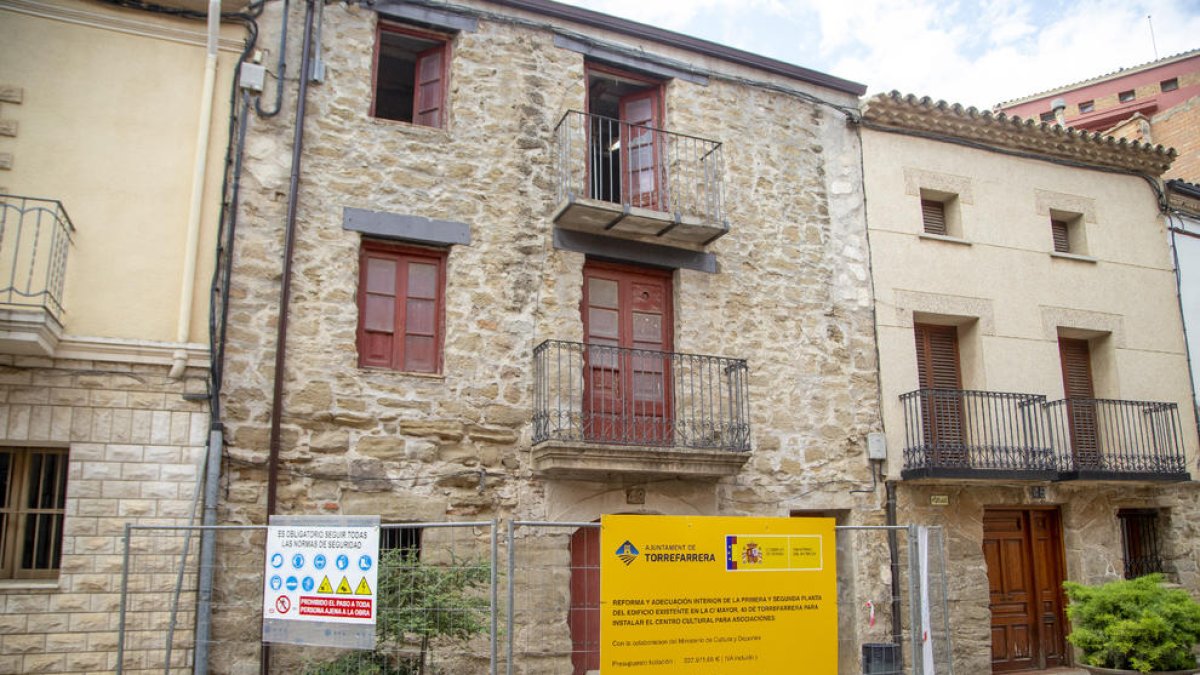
x=1139, y=540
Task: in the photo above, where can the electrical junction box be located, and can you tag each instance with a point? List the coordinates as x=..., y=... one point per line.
x=252, y=76
x=876, y=446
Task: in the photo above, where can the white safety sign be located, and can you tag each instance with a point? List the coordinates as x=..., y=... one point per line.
x=321, y=574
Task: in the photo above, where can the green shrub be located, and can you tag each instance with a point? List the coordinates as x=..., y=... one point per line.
x=1134, y=625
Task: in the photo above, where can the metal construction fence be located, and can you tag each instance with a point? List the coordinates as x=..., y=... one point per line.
x=476, y=597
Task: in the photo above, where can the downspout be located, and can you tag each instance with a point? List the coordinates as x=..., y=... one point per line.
x=285, y=286
x=184, y=322
x=894, y=555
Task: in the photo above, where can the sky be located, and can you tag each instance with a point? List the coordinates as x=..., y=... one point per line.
x=973, y=52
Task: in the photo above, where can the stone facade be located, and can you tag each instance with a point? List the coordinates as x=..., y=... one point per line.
x=791, y=296
x=134, y=449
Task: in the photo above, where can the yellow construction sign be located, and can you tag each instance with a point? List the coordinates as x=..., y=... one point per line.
x=363, y=588
x=717, y=594
x=344, y=587
x=325, y=586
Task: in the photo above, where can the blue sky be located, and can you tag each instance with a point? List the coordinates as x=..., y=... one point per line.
x=971, y=52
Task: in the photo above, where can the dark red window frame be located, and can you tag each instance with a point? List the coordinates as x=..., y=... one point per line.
x=385, y=330
x=423, y=106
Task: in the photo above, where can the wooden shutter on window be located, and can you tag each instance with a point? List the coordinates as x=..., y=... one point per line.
x=1077, y=368
x=1062, y=242
x=1081, y=405
x=933, y=213
x=941, y=403
x=937, y=357
x=429, y=101
x=400, y=308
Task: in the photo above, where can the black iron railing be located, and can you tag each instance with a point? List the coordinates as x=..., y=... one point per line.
x=957, y=431
x=633, y=165
x=34, y=237
x=612, y=395
x=1102, y=437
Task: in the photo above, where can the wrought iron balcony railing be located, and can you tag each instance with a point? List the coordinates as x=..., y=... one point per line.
x=1101, y=438
x=635, y=179
x=590, y=393
x=975, y=434
x=34, y=237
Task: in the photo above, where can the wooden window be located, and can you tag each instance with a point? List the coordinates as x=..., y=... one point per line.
x=933, y=215
x=411, y=71
x=1139, y=541
x=401, y=307
x=1047, y=116
x=1076, y=360
x=627, y=154
x=940, y=380
x=1086, y=107
x=1126, y=96
x=583, y=616
x=1169, y=85
x=1060, y=231
x=33, y=500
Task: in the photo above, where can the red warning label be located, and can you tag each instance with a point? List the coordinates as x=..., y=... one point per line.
x=351, y=608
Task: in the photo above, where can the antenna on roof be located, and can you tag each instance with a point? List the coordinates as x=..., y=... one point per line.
x=1153, y=44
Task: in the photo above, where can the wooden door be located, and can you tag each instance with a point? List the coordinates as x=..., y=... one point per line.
x=940, y=380
x=1081, y=402
x=642, y=171
x=1022, y=550
x=583, y=617
x=627, y=325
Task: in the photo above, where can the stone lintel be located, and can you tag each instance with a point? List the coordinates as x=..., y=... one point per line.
x=8, y=127
x=634, y=251
x=11, y=93
x=437, y=18
x=403, y=227
x=570, y=459
x=642, y=62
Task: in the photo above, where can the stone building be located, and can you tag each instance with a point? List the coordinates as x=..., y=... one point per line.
x=108, y=217
x=1033, y=370
x=1156, y=103
x=485, y=186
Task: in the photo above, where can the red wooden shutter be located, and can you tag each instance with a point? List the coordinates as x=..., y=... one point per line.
x=401, y=295
x=937, y=356
x=429, y=101
x=933, y=214
x=1062, y=242
x=641, y=174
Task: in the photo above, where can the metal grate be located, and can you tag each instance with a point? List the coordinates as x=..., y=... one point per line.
x=1139, y=541
x=635, y=165
x=34, y=237
x=614, y=395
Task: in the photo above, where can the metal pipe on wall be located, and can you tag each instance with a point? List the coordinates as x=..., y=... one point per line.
x=196, y=207
x=894, y=556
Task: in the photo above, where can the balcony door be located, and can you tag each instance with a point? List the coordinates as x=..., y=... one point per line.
x=627, y=145
x=1081, y=402
x=941, y=399
x=628, y=327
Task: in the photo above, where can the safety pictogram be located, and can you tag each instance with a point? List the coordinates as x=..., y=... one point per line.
x=363, y=588
x=325, y=586
x=344, y=587
x=283, y=604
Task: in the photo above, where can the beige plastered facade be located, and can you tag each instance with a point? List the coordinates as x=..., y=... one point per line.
x=997, y=278
x=100, y=109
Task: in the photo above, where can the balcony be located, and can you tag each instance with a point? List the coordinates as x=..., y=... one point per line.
x=983, y=435
x=1100, y=439
x=602, y=410
x=35, y=235
x=636, y=182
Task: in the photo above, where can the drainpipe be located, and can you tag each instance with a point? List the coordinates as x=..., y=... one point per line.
x=184, y=323
x=894, y=555
x=285, y=286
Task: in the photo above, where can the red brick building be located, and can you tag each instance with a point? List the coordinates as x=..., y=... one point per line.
x=1156, y=102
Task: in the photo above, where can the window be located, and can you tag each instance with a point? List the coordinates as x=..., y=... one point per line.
x=1169, y=85
x=33, y=487
x=1047, y=116
x=940, y=380
x=401, y=307
x=1066, y=232
x=628, y=153
x=407, y=540
x=411, y=68
x=1126, y=96
x=1086, y=107
x=1139, y=541
x=939, y=213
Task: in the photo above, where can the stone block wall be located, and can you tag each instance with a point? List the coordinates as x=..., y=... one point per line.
x=792, y=294
x=134, y=447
